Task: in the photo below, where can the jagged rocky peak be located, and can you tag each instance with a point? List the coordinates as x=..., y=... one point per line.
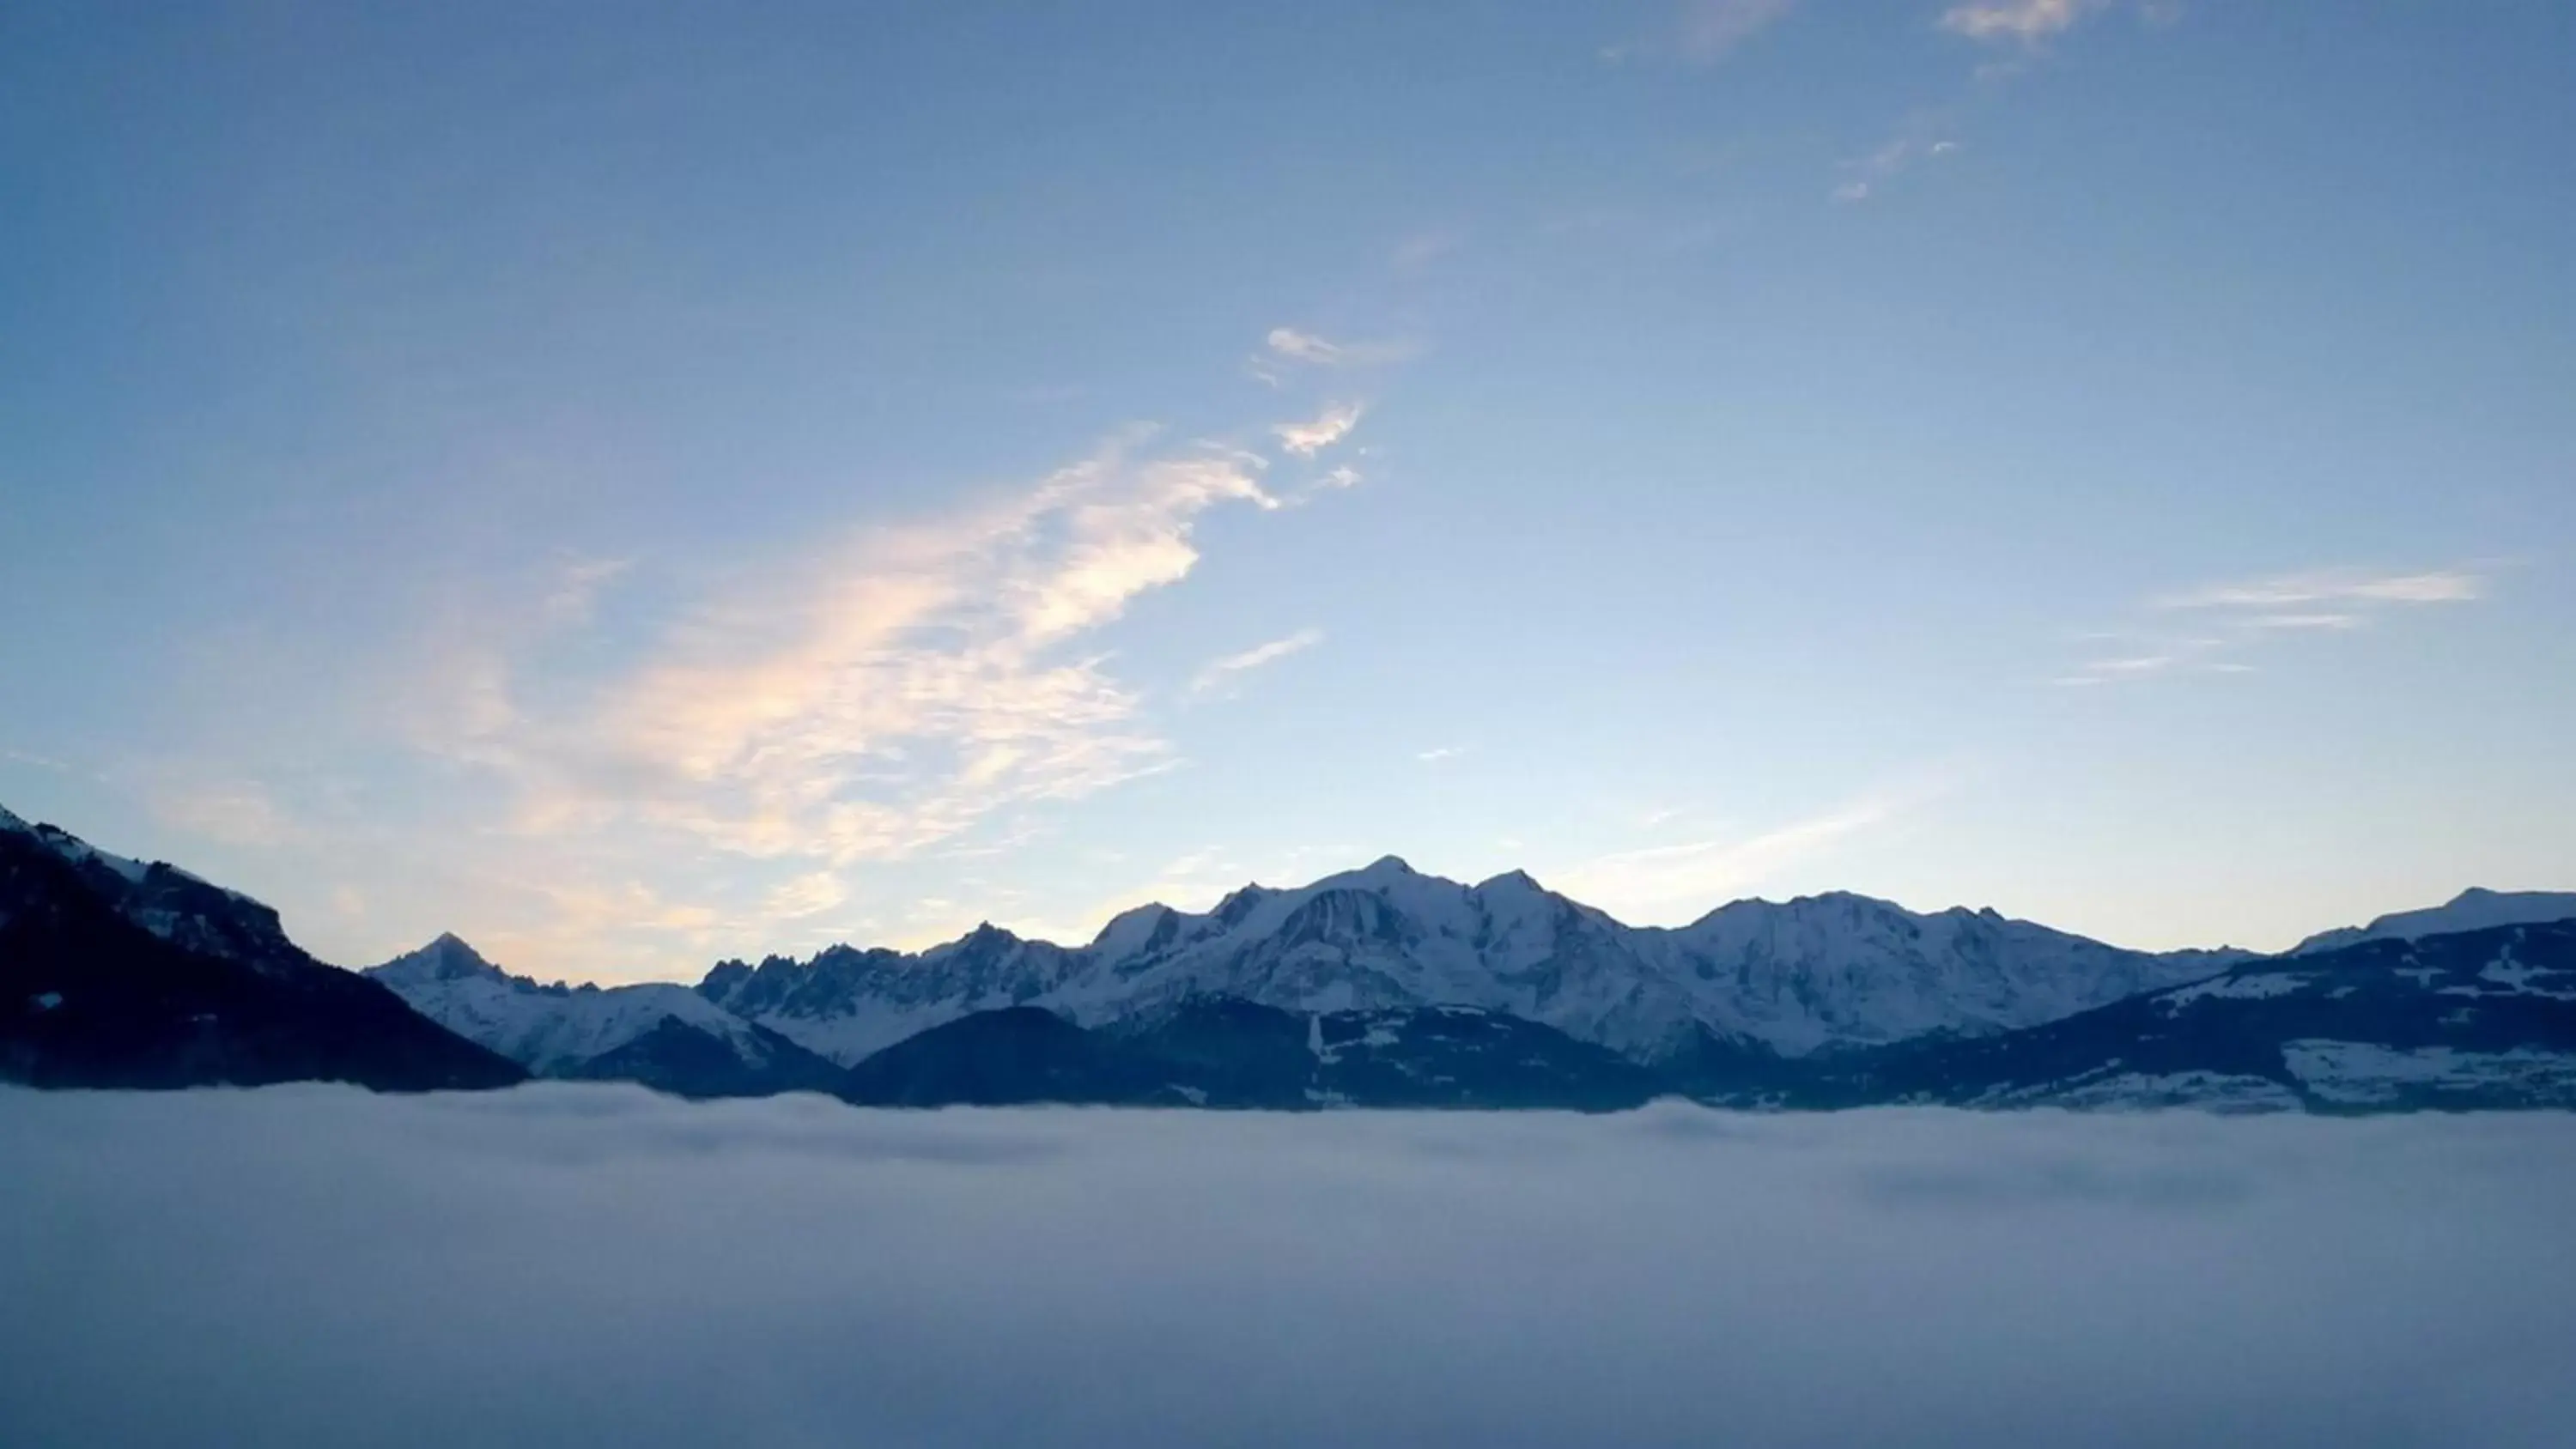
x=985, y=944
x=1388, y=875
x=448, y=958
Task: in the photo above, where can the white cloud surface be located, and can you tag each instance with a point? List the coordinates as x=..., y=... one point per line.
x=315, y=1266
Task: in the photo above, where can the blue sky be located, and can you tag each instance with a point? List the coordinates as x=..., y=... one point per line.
x=635, y=485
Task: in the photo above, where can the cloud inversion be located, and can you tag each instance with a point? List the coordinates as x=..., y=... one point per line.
x=594, y=1265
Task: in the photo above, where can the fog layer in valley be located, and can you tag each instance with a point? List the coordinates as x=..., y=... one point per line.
x=558, y=1264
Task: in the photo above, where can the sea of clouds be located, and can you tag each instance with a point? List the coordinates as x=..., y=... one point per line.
x=597, y=1265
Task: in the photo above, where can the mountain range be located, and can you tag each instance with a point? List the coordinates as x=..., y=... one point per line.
x=1376, y=987
x=1823, y=971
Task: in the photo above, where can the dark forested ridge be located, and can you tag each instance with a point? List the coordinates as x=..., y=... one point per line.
x=91, y=998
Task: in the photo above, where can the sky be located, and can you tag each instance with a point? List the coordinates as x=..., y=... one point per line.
x=599, y=1264
x=637, y=485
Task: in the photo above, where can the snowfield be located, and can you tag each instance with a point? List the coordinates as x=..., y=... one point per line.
x=595, y=1264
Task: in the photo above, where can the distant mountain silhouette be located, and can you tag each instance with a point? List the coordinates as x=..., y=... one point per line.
x=118, y=974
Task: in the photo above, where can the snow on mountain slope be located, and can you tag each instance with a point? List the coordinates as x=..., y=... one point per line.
x=847, y=1003
x=1845, y=969
x=71, y=847
x=1795, y=976
x=562, y=1030
x=1387, y=936
x=2474, y=909
x=2468, y=1020
x=174, y=905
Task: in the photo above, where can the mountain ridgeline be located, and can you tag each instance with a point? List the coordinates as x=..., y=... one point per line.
x=115, y=973
x=1830, y=971
x=1380, y=987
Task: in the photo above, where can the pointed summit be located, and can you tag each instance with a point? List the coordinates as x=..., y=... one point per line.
x=1136, y=929
x=448, y=958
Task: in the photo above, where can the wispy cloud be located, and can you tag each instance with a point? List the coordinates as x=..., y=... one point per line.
x=619, y=781
x=575, y=596
x=1298, y=346
x=1309, y=347
x=2021, y=28
x=1686, y=880
x=2229, y=619
x=1438, y=753
x=1712, y=30
x=806, y=895
x=2330, y=586
x=1414, y=253
x=1919, y=139
x=2024, y=21
x=2303, y=621
x=2162, y=657
x=1306, y=439
x=1288, y=348
x=1221, y=673
x=233, y=812
x=889, y=693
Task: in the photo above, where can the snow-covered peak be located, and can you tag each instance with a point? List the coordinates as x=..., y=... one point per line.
x=986, y=939
x=445, y=959
x=1842, y=967
x=553, y=1030
x=2474, y=909
x=1796, y=975
x=1826, y=906
x=1134, y=931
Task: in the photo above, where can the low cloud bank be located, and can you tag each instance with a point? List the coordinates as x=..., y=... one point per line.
x=564, y=1264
